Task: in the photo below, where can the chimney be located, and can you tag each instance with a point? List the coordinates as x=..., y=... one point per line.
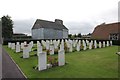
x=58, y=21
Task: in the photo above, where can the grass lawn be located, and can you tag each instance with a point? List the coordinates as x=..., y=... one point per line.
x=96, y=63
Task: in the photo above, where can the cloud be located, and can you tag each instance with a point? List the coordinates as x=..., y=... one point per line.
x=23, y=26
x=79, y=27
x=83, y=26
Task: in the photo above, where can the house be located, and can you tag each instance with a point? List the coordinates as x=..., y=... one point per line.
x=20, y=36
x=43, y=29
x=107, y=31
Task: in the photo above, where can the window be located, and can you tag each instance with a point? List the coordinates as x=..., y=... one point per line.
x=113, y=36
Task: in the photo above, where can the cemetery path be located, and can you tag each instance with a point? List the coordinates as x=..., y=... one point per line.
x=9, y=68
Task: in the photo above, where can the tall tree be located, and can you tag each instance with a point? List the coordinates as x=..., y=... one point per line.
x=79, y=35
x=69, y=35
x=7, y=27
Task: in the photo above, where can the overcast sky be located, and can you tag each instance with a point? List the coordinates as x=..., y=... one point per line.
x=79, y=16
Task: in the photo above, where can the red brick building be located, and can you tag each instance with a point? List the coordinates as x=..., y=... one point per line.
x=107, y=31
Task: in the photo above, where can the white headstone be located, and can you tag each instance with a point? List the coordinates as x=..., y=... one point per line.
x=79, y=42
x=62, y=43
x=74, y=43
x=70, y=48
x=25, y=52
x=61, y=57
x=9, y=45
x=42, y=61
x=85, y=47
x=100, y=45
x=25, y=43
x=107, y=43
x=13, y=46
x=103, y=43
x=47, y=45
x=51, y=49
x=30, y=45
x=87, y=42
x=17, y=47
x=78, y=47
x=43, y=43
x=58, y=42
x=51, y=42
x=95, y=44
x=39, y=49
x=22, y=45
x=55, y=44
x=111, y=43
x=90, y=45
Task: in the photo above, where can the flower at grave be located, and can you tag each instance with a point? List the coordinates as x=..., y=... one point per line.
x=48, y=52
x=65, y=47
x=81, y=46
x=56, y=51
x=53, y=61
x=101, y=45
x=25, y=45
x=93, y=46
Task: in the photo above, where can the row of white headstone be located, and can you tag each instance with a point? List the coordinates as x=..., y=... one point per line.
x=51, y=45
x=26, y=48
x=42, y=59
x=78, y=44
x=42, y=56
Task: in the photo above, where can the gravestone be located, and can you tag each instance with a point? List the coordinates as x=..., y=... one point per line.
x=87, y=42
x=32, y=43
x=25, y=51
x=51, y=42
x=103, y=43
x=85, y=47
x=111, y=43
x=90, y=45
x=95, y=44
x=39, y=49
x=100, y=45
x=43, y=43
x=78, y=47
x=107, y=43
x=74, y=43
x=58, y=42
x=55, y=44
x=71, y=48
x=51, y=49
x=9, y=45
x=17, y=47
x=47, y=45
x=79, y=42
x=42, y=61
x=25, y=43
x=13, y=46
x=22, y=45
x=61, y=57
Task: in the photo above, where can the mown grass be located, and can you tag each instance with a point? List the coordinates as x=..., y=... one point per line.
x=95, y=63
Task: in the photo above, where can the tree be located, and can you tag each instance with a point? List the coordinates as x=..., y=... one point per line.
x=89, y=34
x=69, y=35
x=79, y=35
x=7, y=27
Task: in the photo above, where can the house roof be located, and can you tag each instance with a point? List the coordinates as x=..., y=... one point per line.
x=104, y=30
x=47, y=24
